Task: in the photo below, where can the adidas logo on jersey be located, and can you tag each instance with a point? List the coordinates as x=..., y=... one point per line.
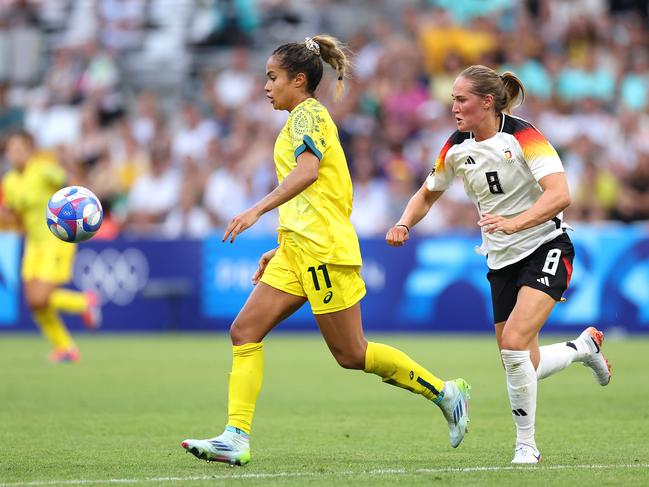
x=544, y=280
x=469, y=160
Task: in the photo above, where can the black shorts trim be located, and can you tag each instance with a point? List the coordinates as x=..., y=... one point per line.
x=548, y=269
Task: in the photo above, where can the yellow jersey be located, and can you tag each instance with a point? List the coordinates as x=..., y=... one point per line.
x=317, y=219
x=28, y=191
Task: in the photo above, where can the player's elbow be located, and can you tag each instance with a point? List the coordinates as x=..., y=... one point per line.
x=563, y=201
x=311, y=176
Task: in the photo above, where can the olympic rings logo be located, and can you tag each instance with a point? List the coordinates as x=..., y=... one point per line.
x=116, y=276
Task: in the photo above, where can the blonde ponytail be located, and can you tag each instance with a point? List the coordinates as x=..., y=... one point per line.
x=335, y=54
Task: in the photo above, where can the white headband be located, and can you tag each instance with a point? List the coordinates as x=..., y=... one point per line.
x=312, y=45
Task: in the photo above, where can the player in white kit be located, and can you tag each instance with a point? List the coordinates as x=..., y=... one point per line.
x=517, y=182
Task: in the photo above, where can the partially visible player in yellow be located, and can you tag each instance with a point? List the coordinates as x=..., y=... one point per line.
x=47, y=261
x=318, y=258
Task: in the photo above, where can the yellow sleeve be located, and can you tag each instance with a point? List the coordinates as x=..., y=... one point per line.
x=308, y=130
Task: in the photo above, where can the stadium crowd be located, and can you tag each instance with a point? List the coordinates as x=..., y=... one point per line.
x=158, y=106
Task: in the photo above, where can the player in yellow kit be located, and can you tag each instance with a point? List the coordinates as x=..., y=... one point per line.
x=318, y=258
x=47, y=261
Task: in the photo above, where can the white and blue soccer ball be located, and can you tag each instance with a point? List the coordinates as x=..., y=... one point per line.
x=74, y=214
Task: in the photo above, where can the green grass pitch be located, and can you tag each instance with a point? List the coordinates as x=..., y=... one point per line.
x=120, y=414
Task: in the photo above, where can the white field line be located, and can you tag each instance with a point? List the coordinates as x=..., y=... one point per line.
x=270, y=475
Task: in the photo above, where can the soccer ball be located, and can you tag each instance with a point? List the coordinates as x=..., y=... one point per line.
x=74, y=214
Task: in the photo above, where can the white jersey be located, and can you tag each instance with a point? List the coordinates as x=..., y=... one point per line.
x=501, y=177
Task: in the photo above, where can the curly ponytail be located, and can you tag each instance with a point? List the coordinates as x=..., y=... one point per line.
x=333, y=53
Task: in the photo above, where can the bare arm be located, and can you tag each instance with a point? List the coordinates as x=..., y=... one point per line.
x=303, y=176
x=555, y=199
x=416, y=209
x=9, y=219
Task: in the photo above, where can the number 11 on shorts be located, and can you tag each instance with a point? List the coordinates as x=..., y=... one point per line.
x=325, y=275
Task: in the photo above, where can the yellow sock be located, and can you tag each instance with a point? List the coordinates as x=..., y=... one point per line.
x=399, y=370
x=68, y=301
x=53, y=328
x=245, y=384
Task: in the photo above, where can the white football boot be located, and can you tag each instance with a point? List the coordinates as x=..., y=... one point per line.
x=592, y=339
x=233, y=447
x=455, y=407
x=526, y=454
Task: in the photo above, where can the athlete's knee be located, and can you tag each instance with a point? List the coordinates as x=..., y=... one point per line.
x=351, y=362
x=350, y=358
x=236, y=334
x=240, y=335
x=37, y=301
x=514, y=340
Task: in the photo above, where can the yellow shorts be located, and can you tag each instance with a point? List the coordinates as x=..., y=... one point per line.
x=48, y=261
x=328, y=287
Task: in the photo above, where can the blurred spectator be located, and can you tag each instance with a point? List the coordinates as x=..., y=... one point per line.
x=92, y=140
x=595, y=195
x=226, y=23
x=586, y=79
x=226, y=191
x=24, y=39
x=129, y=160
x=154, y=194
x=103, y=180
x=121, y=23
x=531, y=72
x=187, y=219
x=145, y=119
x=11, y=117
x=634, y=201
x=370, y=214
x=191, y=138
x=439, y=36
x=98, y=81
x=234, y=85
x=63, y=78
x=634, y=88
x=371, y=50
x=405, y=91
x=441, y=84
x=101, y=74
x=467, y=10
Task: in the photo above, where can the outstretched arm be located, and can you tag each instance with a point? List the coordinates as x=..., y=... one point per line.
x=555, y=199
x=303, y=176
x=9, y=219
x=416, y=209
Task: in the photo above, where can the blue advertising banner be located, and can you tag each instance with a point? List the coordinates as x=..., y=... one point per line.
x=143, y=285
x=9, y=278
x=431, y=284
x=440, y=284
x=227, y=274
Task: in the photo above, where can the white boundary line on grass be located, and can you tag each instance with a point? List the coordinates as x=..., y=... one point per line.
x=270, y=475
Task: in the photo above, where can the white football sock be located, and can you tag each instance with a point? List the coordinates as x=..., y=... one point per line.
x=521, y=386
x=557, y=357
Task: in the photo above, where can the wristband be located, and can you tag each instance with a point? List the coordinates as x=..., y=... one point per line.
x=404, y=226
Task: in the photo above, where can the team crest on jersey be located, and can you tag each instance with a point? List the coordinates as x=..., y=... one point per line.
x=508, y=153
